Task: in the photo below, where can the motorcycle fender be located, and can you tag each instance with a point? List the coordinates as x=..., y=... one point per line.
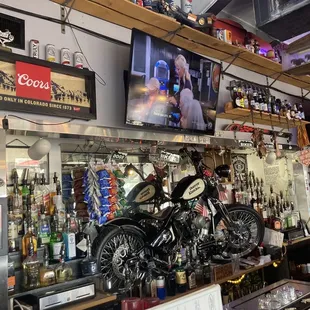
x=121, y=221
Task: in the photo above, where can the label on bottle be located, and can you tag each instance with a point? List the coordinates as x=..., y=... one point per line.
x=265, y=107
x=153, y=288
x=181, y=277
x=237, y=102
x=253, y=104
x=265, y=214
x=46, y=202
x=82, y=245
x=246, y=103
x=11, y=283
x=19, y=221
x=12, y=230
x=192, y=280
x=257, y=105
x=277, y=225
x=70, y=245
x=56, y=248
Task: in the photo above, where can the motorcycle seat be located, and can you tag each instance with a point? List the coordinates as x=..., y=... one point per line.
x=161, y=215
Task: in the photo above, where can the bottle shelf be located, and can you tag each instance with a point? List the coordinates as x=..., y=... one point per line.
x=129, y=15
x=262, y=118
x=300, y=70
x=58, y=287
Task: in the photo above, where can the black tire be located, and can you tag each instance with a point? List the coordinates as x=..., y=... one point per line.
x=255, y=222
x=110, y=260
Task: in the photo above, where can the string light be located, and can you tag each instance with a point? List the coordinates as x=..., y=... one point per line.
x=237, y=281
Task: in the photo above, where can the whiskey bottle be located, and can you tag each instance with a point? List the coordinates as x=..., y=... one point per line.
x=47, y=273
x=45, y=195
x=137, y=284
x=80, y=241
x=89, y=264
x=29, y=237
x=56, y=242
x=31, y=267
x=190, y=274
x=69, y=240
x=53, y=193
x=150, y=284
x=44, y=231
x=180, y=276
x=63, y=271
x=199, y=272
x=12, y=228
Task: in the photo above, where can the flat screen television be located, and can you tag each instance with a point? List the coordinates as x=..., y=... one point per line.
x=171, y=88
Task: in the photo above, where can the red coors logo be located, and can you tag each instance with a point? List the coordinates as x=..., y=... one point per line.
x=33, y=81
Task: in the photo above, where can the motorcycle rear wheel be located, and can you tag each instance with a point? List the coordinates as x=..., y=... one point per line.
x=112, y=248
x=250, y=233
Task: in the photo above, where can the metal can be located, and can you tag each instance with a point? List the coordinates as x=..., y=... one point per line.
x=187, y=6
x=65, y=57
x=160, y=285
x=50, y=52
x=78, y=58
x=34, y=48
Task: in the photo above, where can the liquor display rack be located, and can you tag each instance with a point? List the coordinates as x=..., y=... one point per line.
x=300, y=70
x=129, y=15
x=262, y=118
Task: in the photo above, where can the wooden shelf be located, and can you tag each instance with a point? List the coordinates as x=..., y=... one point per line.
x=300, y=70
x=129, y=15
x=262, y=118
x=235, y=276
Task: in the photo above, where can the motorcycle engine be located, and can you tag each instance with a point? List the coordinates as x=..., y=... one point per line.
x=200, y=222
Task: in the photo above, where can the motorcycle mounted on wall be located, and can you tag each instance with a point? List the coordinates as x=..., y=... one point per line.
x=196, y=218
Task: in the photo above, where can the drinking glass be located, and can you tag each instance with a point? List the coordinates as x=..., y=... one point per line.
x=132, y=304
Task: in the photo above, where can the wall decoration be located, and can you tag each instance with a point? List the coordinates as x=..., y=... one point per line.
x=40, y=87
x=13, y=27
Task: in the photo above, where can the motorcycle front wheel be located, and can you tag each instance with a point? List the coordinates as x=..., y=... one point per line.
x=249, y=232
x=113, y=248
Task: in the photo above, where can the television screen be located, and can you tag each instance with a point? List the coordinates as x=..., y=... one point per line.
x=170, y=87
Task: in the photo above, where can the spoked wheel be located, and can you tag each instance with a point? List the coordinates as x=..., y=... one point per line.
x=248, y=233
x=114, y=249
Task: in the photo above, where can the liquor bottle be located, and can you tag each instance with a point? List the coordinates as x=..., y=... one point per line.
x=44, y=230
x=278, y=106
x=255, y=98
x=63, y=271
x=38, y=197
x=269, y=104
x=45, y=195
x=25, y=188
x=180, y=276
x=207, y=277
x=246, y=97
x=61, y=210
x=26, y=240
x=265, y=103
x=53, y=193
x=31, y=267
x=137, y=284
x=12, y=228
x=89, y=264
x=17, y=204
x=56, y=242
x=199, y=272
x=69, y=240
x=190, y=273
x=265, y=210
x=80, y=241
x=239, y=98
x=260, y=101
x=11, y=277
x=301, y=113
x=47, y=273
x=150, y=284
x=171, y=281
x=252, y=100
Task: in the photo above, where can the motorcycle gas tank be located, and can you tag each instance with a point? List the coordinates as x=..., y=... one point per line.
x=189, y=188
x=142, y=192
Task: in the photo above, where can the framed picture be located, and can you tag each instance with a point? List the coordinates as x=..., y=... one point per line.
x=17, y=158
x=40, y=87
